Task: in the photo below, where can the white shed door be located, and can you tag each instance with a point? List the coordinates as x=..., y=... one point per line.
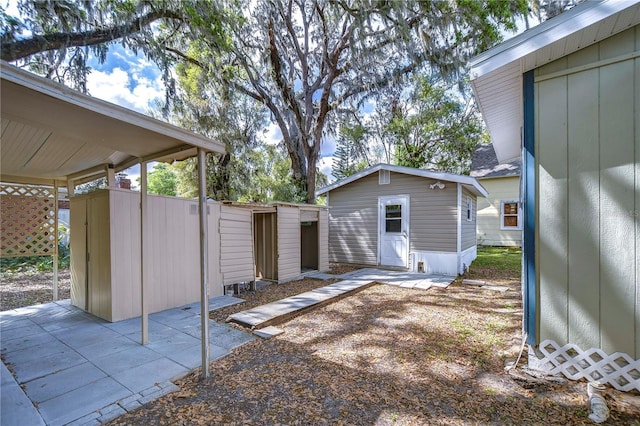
x=393, y=246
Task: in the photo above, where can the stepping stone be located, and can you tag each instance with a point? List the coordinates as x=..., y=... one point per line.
x=268, y=332
x=281, y=310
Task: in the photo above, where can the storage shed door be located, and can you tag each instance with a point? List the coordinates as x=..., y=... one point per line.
x=236, y=245
x=393, y=245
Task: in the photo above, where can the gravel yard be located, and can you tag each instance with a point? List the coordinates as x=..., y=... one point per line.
x=32, y=288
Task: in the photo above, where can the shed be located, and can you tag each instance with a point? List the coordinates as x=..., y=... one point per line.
x=395, y=216
x=499, y=214
x=288, y=239
x=571, y=88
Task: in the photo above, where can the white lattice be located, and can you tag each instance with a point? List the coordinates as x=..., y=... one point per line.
x=618, y=369
x=27, y=220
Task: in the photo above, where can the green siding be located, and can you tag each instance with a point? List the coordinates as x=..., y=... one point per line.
x=587, y=151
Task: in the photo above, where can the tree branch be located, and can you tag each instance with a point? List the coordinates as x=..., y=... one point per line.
x=41, y=43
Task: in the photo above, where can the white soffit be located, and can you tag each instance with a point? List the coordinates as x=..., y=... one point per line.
x=51, y=131
x=496, y=75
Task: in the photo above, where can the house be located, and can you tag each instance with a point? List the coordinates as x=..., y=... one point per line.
x=403, y=217
x=499, y=214
x=569, y=89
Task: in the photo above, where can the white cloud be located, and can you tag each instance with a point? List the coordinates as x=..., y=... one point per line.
x=325, y=164
x=123, y=89
x=272, y=134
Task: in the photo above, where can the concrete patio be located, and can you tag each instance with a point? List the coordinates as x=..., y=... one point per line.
x=78, y=369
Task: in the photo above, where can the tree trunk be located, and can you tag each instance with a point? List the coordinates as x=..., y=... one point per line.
x=311, y=178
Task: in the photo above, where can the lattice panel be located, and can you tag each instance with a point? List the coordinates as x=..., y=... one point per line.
x=618, y=369
x=27, y=220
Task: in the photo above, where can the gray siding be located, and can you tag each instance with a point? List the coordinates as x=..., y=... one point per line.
x=469, y=227
x=587, y=135
x=353, y=217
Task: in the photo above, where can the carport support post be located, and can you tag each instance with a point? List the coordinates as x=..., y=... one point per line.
x=204, y=230
x=57, y=236
x=143, y=264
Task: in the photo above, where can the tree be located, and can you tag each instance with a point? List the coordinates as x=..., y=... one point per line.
x=162, y=180
x=351, y=155
x=435, y=129
x=307, y=61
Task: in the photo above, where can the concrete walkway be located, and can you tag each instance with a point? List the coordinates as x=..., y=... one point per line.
x=79, y=369
x=273, y=313
x=280, y=311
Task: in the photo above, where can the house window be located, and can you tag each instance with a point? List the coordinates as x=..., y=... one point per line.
x=510, y=215
x=393, y=218
x=469, y=209
x=384, y=177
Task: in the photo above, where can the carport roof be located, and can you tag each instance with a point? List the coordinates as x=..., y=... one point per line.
x=51, y=132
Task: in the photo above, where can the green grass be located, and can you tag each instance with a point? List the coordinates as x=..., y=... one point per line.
x=497, y=262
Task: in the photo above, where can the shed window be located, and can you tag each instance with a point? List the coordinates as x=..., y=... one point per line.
x=510, y=215
x=469, y=209
x=393, y=218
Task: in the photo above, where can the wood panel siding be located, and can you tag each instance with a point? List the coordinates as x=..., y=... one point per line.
x=236, y=245
x=469, y=238
x=636, y=211
x=125, y=265
x=488, y=215
x=99, y=256
x=78, y=247
x=353, y=217
x=587, y=198
x=323, y=236
x=288, y=243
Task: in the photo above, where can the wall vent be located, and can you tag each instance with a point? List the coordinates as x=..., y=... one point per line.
x=384, y=177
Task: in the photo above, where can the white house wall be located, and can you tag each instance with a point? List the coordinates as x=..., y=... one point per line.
x=489, y=229
x=587, y=153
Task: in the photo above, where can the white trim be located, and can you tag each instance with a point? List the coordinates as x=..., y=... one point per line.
x=466, y=258
x=470, y=183
x=559, y=27
x=510, y=228
x=406, y=231
x=435, y=262
x=469, y=210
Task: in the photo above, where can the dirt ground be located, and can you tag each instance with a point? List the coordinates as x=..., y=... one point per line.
x=383, y=356
x=32, y=288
